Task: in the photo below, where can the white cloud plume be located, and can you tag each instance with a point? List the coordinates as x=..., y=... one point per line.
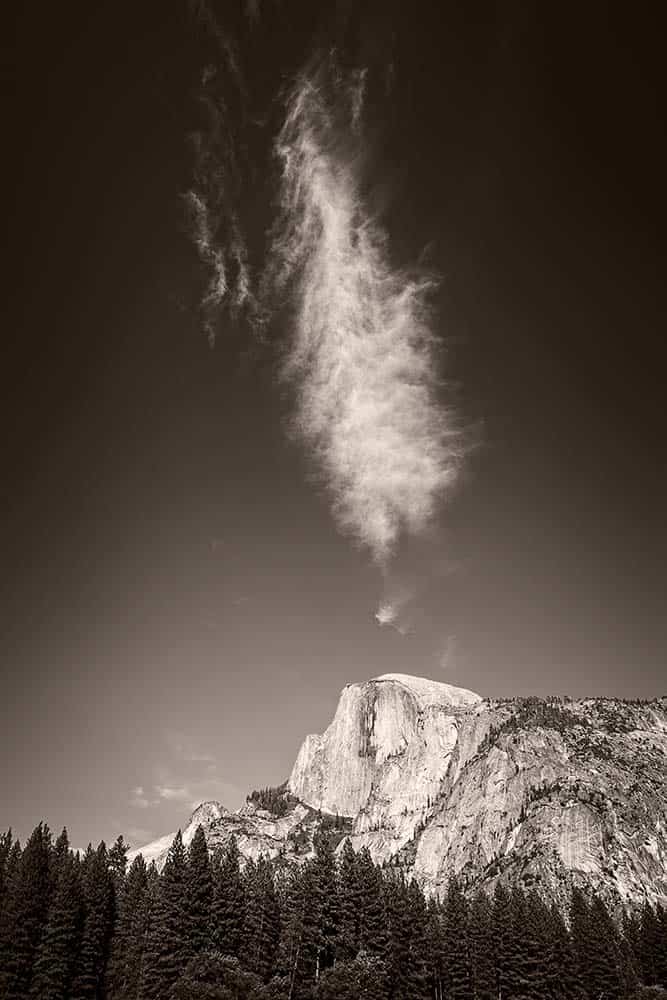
x=363, y=354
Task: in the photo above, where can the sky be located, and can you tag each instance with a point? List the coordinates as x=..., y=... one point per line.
x=201, y=527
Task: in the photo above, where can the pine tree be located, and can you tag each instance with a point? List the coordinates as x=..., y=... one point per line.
x=97, y=926
x=325, y=890
x=566, y=986
x=212, y=976
x=25, y=913
x=167, y=947
x=117, y=860
x=261, y=926
x=629, y=974
x=582, y=935
x=349, y=904
x=482, y=947
x=199, y=894
x=118, y=864
x=660, y=951
x=363, y=978
x=59, y=854
x=435, y=945
x=418, y=977
x=604, y=974
x=502, y=922
x=403, y=977
x=7, y=906
x=58, y=951
x=6, y=842
x=372, y=915
x=228, y=901
x=455, y=937
x=631, y=923
x=597, y=949
x=525, y=971
x=649, y=945
x=617, y=968
x=129, y=940
x=309, y=921
x=300, y=933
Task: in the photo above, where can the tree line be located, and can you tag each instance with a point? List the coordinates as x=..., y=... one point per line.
x=338, y=927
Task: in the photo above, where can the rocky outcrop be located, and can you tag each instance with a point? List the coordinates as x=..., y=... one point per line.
x=546, y=793
x=258, y=832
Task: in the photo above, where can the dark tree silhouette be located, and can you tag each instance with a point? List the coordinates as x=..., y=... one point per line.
x=25, y=913
x=228, y=901
x=336, y=926
x=91, y=961
x=199, y=894
x=167, y=945
x=60, y=945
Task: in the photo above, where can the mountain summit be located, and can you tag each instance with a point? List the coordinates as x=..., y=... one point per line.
x=545, y=793
x=384, y=754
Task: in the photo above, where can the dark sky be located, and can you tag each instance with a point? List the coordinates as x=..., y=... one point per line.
x=178, y=609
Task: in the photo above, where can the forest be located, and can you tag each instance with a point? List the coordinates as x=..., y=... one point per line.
x=88, y=926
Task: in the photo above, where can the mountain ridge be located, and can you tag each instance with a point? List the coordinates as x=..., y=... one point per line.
x=547, y=793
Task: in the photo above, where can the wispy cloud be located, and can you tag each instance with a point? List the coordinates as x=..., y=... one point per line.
x=394, y=610
x=215, y=788
x=448, y=654
x=184, y=749
x=139, y=798
x=389, y=614
x=179, y=794
x=211, y=201
x=187, y=776
x=363, y=354
x=161, y=794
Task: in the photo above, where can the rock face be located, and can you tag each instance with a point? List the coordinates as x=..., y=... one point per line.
x=383, y=758
x=554, y=794
x=546, y=793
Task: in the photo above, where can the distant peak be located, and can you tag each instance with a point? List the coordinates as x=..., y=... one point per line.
x=208, y=811
x=429, y=692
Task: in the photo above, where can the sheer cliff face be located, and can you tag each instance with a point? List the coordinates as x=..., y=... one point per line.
x=545, y=793
x=383, y=758
x=558, y=793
